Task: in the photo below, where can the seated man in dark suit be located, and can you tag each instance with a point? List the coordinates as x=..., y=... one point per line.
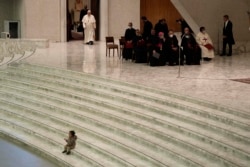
x=129, y=36
x=140, y=48
x=172, y=49
x=191, y=49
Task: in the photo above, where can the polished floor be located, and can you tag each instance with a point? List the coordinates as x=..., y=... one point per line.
x=211, y=81
x=13, y=155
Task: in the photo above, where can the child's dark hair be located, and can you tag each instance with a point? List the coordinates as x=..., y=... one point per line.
x=72, y=132
x=202, y=28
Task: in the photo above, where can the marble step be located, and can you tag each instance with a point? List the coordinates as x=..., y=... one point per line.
x=98, y=80
x=140, y=145
x=133, y=87
x=238, y=135
x=65, y=113
x=44, y=145
x=216, y=112
x=231, y=120
x=45, y=126
x=189, y=112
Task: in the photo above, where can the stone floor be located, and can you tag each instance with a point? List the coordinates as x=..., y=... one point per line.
x=212, y=81
x=13, y=155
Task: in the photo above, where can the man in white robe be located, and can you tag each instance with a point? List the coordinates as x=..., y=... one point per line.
x=89, y=25
x=205, y=44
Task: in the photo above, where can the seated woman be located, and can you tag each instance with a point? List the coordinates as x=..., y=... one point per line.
x=172, y=49
x=191, y=49
x=140, y=48
x=205, y=44
x=158, y=57
x=128, y=47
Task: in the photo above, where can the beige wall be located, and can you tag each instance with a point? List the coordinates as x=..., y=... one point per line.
x=45, y=18
x=120, y=12
x=6, y=8
x=210, y=14
x=39, y=18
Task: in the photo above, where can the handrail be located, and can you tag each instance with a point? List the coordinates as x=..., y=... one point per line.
x=14, y=50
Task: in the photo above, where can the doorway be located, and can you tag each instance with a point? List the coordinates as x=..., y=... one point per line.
x=74, y=8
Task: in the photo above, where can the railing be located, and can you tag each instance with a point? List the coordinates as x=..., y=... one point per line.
x=15, y=50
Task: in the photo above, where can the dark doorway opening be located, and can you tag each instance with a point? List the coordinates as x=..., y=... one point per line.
x=74, y=24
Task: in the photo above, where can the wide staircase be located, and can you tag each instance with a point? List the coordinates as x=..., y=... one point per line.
x=117, y=123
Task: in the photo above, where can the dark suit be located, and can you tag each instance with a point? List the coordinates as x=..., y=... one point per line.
x=172, y=54
x=128, y=48
x=228, y=37
x=147, y=29
x=191, y=50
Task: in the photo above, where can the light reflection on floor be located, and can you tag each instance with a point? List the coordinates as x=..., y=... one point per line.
x=210, y=81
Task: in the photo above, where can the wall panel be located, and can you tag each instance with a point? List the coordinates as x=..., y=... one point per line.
x=157, y=9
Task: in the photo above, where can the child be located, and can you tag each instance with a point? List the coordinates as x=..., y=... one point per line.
x=71, y=142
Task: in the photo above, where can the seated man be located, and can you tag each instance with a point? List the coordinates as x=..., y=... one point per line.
x=172, y=49
x=128, y=47
x=140, y=49
x=191, y=49
x=205, y=44
x=158, y=57
x=151, y=43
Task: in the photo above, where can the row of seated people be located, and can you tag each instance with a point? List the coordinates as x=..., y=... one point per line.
x=160, y=49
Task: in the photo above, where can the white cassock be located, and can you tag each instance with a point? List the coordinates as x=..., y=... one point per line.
x=204, y=39
x=89, y=25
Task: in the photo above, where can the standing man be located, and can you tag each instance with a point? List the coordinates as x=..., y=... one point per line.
x=146, y=28
x=227, y=36
x=89, y=25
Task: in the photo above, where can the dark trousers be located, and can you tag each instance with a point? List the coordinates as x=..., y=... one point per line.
x=225, y=42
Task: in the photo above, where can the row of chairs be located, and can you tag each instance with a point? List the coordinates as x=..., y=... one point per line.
x=111, y=45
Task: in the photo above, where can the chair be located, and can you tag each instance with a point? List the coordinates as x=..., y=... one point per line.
x=122, y=44
x=110, y=44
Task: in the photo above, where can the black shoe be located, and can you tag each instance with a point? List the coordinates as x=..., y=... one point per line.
x=229, y=55
x=91, y=42
x=68, y=153
x=87, y=43
x=64, y=151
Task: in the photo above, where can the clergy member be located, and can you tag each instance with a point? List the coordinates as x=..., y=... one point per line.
x=191, y=49
x=206, y=44
x=89, y=25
